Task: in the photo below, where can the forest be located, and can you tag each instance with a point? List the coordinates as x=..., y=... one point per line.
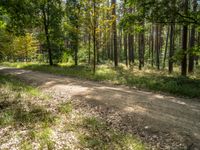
x=99, y=62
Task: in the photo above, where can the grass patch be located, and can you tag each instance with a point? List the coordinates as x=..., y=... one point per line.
x=65, y=108
x=97, y=135
x=13, y=84
x=147, y=79
x=16, y=107
x=42, y=137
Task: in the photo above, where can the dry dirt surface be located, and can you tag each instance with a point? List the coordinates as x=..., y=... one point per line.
x=165, y=122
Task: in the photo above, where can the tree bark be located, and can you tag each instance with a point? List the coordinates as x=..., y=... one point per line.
x=89, y=52
x=114, y=30
x=125, y=49
x=166, y=48
x=184, y=43
x=192, y=42
x=130, y=49
x=94, y=36
x=157, y=48
x=76, y=49
x=46, y=28
x=171, y=49
x=152, y=47
x=141, y=50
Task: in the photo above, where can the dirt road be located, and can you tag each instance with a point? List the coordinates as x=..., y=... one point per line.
x=178, y=118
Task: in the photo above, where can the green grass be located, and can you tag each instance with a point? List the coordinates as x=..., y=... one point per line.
x=65, y=108
x=97, y=135
x=15, y=105
x=149, y=79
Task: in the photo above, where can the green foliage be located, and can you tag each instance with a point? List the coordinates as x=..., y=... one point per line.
x=25, y=46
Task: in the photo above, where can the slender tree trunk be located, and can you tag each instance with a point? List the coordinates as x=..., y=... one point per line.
x=198, y=42
x=166, y=48
x=184, y=42
x=76, y=49
x=89, y=52
x=191, y=56
x=111, y=47
x=97, y=49
x=142, y=46
x=120, y=45
x=125, y=37
x=141, y=50
x=157, y=48
x=114, y=28
x=94, y=36
x=125, y=48
x=171, y=49
x=152, y=47
x=46, y=28
x=192, y=42
x=149, y=55
x=130, y=49
x=108, y=46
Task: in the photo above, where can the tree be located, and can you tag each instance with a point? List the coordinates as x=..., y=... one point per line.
x=184, y=42
x=192, y=41
x=166, y=48
x=51, y=18
x=114, y=30
x=30, y=14
x=73, y=9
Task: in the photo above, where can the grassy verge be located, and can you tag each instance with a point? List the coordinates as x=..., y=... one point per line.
x=147, y=79
x=29, y=121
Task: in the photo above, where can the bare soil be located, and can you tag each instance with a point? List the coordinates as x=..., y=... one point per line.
x=163, y=121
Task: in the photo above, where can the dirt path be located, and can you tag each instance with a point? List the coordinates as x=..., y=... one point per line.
x=158, y=114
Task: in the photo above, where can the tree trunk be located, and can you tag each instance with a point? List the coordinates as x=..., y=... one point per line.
x=142, y=46
x=166, y=48
x=46, y=28
x=141, y=50
x=192, y=42
x=131, y=49
x=157, y=48
x=152, y=47
x=198, y=42
x=89, y=52
x=114, y=28
x=94, y=36
x=191, y=56
x=76, y=50
x=184, y=42
x=171, y=49
x=125, y=49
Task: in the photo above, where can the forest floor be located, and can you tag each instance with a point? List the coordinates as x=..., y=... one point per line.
x=159, y=121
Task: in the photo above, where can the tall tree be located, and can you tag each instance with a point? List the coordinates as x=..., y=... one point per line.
x=157, y=46
x=94, y=35
x=171, y=48
x=73, y=12
x=114, y=30
x=166, y=47
x=184, y=41
x=192, y=42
